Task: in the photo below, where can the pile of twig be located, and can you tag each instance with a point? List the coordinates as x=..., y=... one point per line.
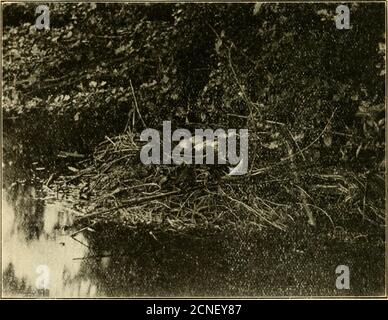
x=114, y=186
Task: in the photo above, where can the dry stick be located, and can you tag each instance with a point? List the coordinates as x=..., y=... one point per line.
x=136, y=105
x=82, y=173
x=80, y=230
x=246, y=98
x=49, y=179
x=253, y=210
x=130, y=202
x=79, y=241
x=290, y=157
x=255, y=63
x=119, y=190
x=320, y=135
x=325, y=213
x=305, y=205
x=249, y=102
x=98, y=257
x=296, y=143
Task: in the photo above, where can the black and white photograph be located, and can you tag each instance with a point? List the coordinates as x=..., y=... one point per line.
x=193, y=150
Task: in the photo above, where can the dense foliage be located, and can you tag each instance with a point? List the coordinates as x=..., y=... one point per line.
x=207, y=64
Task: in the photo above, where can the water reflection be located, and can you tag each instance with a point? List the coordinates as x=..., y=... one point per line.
x=112, y=262
x=36, y=234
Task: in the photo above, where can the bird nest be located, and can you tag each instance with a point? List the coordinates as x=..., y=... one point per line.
x=115, y=187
